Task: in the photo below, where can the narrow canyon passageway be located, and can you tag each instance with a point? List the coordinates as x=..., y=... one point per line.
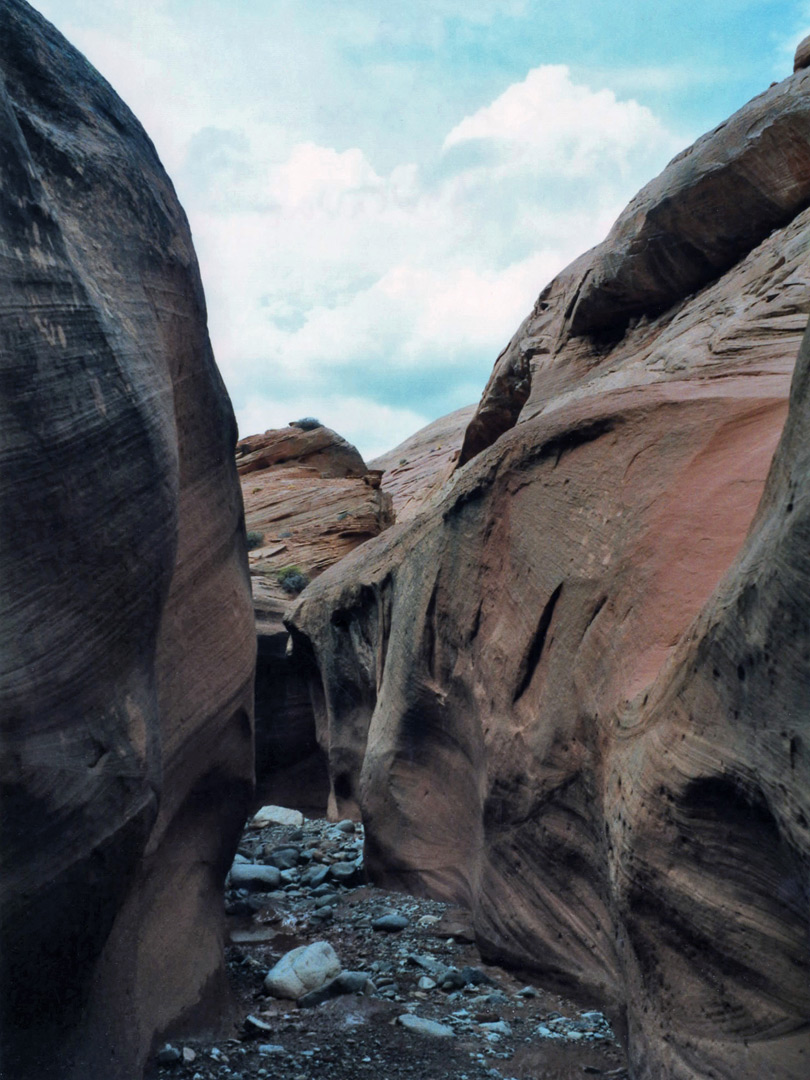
x=412, y=997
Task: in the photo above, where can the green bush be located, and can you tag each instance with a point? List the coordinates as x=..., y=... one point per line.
x=306, y=423
x=254, y=539
x=292, y=579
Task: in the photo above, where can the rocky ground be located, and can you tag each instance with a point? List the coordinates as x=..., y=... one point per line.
x=412, y=999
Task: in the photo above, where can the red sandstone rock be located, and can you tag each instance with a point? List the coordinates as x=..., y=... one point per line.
x=312, y=499
x=572, y=693
x=127, y=634
x=416, y=470
x=319, y=449
x=713, y=204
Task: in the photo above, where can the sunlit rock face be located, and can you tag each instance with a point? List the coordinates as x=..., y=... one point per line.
x=572, y=693
x=127, y=632
x=416, y=470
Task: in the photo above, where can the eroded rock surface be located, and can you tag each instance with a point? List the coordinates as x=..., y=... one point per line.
x=127, y=636
x=712, y=206
x=309, y=500
x=572, y=694
x=414, y=472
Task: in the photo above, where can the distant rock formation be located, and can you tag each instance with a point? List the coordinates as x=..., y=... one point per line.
x=313, y=446
x=309, y=500
x=414, y=472
x=126, y=658
x=572, y=692
x=802, y=57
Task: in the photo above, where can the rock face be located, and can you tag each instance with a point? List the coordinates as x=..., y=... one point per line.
x=414, y=472
x=127, y=637
x=309, y=500
x=802, y=57
x=572, y=693
x=317, y=448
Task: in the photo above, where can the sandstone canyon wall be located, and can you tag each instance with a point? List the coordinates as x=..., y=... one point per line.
x=127, y=633
x=572, y=691
x=309, y=500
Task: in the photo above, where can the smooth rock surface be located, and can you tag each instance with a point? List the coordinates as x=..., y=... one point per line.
x=571, y=694
x=127, y=643
x=255, y=876
x=302, y=970
x=414, y=472
x=421, y=1026
x=276, y=815
x=390, y=923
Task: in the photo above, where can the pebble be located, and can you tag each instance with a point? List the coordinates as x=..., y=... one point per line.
x=284, y=858
x=314, y=876
x=346, y=873
x=168, y=1055
x=390, y=923
x=257, y=1024
x=425, y=1027
x=499, y=1027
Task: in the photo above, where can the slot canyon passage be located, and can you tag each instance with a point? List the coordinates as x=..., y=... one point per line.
x=538, y=678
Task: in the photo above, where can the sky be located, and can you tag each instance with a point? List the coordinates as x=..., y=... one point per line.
x=378, y=190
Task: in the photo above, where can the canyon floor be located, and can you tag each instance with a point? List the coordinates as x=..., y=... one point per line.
x=496, y=1025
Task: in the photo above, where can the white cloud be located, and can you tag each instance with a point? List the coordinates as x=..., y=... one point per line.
x=787, y=45
x=333, y=269
x=553, y=125
x=318, y=264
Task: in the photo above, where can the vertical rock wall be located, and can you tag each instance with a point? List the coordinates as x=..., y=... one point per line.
x=127, y=645
x=572, y=692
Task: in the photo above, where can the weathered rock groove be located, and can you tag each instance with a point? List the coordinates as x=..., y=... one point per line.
x=571, y=693
x=127, y=645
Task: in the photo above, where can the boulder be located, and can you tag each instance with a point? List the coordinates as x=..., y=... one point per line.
x=571, y=693
x=303, y=970
x=127, y=644
x=255, y=876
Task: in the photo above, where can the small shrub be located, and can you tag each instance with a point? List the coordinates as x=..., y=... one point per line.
x=254, y=539
x=292, y=579
x=306, y=423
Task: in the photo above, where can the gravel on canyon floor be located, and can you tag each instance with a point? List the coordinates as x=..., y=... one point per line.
x=379, y=985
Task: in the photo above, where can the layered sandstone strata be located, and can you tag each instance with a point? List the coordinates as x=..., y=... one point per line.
x=309, y=500
x=416, y=470
x=572, y=693
x=127, y=632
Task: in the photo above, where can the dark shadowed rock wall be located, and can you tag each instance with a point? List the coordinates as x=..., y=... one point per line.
x=126, y=647
x=572, y=693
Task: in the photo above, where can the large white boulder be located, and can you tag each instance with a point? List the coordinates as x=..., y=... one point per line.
x=303, y=970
